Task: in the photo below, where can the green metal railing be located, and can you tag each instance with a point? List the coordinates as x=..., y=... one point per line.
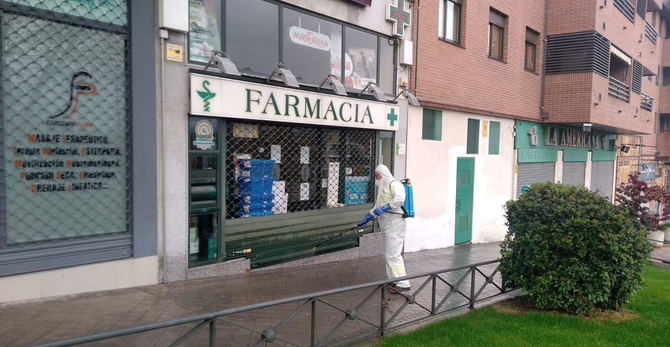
x=375, y=312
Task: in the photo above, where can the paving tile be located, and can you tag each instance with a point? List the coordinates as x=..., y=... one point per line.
x=39, y=322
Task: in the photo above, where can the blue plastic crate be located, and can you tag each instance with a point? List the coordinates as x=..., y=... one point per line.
x=356, y=190
x=256, y=167
x=246, y=199
x=241, y=214
x=254, y=186
x=255, y=206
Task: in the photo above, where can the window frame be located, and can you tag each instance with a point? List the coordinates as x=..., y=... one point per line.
x=280, y=42
x=436, y=134
x=495, y=23
x=529, y=42
x=443, y=16
x=472, y=143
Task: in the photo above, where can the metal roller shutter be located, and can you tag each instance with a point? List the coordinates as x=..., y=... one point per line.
x=573, y=173
x=533, y=173
x=602, y=173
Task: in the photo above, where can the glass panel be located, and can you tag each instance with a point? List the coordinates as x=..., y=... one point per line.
x=203, y=134
x=428, y=132
x=453, y=21
x=204, y=29
x=494, y=138
x=495, y=41
x=360, y=59
x=65, y=130
x=530, y=56
x=203, y=245
x=108, y=11
x=312, y=46
x=386, y=144
x=440, y=20
x=473, y=136
x=283, y=168
x=386, y=65
x=251, y=35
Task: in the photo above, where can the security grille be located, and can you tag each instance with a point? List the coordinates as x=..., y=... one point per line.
x=573, y=173
x=602, y=175
x=276, y=169
x=64, y=125
x=532, y=173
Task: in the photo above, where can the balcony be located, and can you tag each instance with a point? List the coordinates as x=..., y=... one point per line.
x=650, y=33
x=646, y=102
x=618, y=89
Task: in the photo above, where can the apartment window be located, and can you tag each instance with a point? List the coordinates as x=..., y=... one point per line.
x=473, y=136
x=432, y=125
x=666, y=75
x=619, y=64
x=664, y=122
x=531, y=49
x=450, y=20
x=496, y=34
x=494, y=138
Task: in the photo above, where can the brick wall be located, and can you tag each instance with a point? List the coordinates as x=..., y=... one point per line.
x=464, y=77
x=570, y=16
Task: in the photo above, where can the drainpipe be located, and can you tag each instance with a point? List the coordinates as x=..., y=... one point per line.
x=416, y=47
x=163, y=33
x=544, y=60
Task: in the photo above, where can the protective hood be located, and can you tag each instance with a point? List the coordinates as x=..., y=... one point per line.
x=387, y=177
x=389, y=190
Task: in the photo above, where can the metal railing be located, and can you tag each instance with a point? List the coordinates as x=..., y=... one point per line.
x=349, y=314
x=619, y=89
x=650, y=33
x=646, y=102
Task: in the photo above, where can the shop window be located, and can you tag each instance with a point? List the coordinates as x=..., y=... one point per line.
x=666, y=75
x=619, y=65
x=276, y=169
x=311, y=46
x=361, y=49
x=251, y=39
x=68, y=124
x=386, y=149
x=531, y=50
x=496, y=34
x=204, y=29
x=664, y=122
x=473, y=136
x=432, y=125
x=386, y=60
x=494, y=137
x=449, y=26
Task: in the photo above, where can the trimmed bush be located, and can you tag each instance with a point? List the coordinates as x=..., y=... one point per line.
x=571, y=250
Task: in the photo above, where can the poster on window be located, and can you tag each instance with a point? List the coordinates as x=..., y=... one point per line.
x=108, y=11
x=65, y=126
x=204, y=33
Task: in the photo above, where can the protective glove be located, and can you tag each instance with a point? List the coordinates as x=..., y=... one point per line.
x=381, y=210
x=368, y=217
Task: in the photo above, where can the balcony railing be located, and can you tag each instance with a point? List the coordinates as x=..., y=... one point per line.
x=619, y=89
x=646, y=102
x=626, y=8
x=650, y=33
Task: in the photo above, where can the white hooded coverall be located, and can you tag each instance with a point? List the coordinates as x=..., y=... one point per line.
x=390, y=191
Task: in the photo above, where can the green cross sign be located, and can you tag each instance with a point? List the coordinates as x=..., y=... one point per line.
x=400, y=17
x=392, y=116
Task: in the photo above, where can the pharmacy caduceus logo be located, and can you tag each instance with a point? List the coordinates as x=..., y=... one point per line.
x=206, y=95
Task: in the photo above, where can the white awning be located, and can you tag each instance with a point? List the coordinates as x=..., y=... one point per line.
x=619, y=53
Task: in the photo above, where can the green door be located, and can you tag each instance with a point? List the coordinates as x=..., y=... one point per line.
x=465, y=182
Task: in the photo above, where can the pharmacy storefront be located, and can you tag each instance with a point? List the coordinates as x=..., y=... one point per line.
x=279, y=173
x=554, y=153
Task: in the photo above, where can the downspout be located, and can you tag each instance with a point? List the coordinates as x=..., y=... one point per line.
x=163, y=33
x=544, y=61
x=416, y=47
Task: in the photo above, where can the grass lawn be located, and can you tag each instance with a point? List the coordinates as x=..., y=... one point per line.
x=644, y=322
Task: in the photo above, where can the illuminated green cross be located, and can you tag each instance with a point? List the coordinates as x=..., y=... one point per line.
x=399, y=16
x=392, y=116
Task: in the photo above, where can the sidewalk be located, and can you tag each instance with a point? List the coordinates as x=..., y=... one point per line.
x=661, y=256
x=87, y=314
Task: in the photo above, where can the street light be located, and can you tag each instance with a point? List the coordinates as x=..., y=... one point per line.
x=374, y=90
x=285, y=75
x=221, y=60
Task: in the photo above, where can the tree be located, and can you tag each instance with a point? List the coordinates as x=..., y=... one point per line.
x=635, y=197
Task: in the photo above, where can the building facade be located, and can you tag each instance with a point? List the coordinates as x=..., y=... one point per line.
x=271, y=162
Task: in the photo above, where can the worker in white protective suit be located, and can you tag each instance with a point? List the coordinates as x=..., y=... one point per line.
x=390, y=197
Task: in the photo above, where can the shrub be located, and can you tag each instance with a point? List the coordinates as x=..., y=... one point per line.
x=636, y=195
x=570, y=250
